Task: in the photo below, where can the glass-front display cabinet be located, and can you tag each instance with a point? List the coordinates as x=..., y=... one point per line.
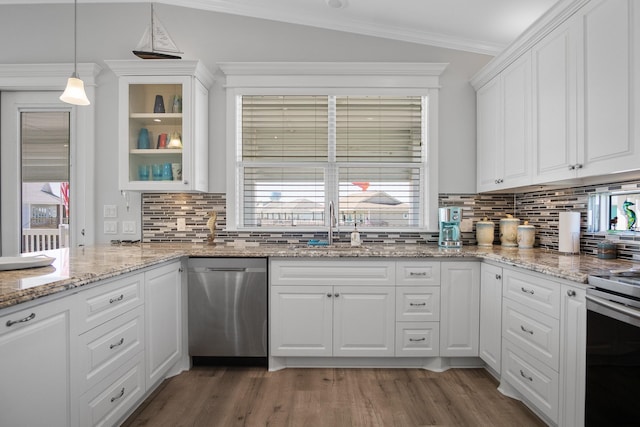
x=163, y=125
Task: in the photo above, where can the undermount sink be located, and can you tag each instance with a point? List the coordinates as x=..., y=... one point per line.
x=331, y=248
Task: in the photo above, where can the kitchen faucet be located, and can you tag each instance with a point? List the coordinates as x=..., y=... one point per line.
x=332, y=221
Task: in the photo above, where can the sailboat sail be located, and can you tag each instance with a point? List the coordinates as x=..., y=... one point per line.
x=156, y=42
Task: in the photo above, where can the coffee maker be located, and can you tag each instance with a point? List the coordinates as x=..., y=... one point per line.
x=449, y=219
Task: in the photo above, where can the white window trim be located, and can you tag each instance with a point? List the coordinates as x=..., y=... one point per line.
x=320, y=78
x=43, y=77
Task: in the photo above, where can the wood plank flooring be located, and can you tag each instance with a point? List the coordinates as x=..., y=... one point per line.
x=240, y=396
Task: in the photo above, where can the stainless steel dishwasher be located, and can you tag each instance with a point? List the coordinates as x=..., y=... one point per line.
x=228, y=310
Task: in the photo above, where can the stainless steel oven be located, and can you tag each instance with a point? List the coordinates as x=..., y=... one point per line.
x=613, y=349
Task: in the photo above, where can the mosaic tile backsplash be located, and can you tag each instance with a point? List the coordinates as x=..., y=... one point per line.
x=161, y=211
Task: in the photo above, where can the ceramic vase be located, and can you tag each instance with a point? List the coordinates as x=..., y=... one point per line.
x=143, y=139
x=158, y=106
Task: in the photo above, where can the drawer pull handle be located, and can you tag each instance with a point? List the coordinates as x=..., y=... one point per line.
x=24, y=319
x=422, y=273
x=417, y=339
x=528, y=291
x=529, y=331
x=120, y=298
x=114, y=398
x=417, y=304
x=523, y=375
x=118, y=344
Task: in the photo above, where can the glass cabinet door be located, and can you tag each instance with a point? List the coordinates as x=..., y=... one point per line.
x=156, y=135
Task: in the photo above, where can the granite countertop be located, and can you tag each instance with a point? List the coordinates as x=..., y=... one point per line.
x=77, y=267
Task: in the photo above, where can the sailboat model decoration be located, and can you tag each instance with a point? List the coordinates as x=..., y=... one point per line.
x=156, y=42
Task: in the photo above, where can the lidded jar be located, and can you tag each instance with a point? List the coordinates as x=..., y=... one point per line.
x=509, y=231
x=485, y=232
x=526, y=235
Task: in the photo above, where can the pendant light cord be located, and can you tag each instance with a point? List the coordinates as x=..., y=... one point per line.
x=75, y=38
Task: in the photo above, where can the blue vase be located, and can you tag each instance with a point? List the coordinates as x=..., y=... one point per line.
x=158, y=106
x=143, y=139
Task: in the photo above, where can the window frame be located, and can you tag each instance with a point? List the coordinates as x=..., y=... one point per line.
x=339, y=79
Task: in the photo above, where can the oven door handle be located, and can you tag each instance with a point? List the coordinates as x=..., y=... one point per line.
x=615, y=310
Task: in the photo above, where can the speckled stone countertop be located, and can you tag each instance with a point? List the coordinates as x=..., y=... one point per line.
x=76, y=267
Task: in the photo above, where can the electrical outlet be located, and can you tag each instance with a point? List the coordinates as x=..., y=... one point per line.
x=182, y=224
x=110, y=227
x=466, y=225
x=110, y=211
x=128, y=227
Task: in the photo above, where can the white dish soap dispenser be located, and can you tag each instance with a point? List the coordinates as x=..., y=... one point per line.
x=355, y=237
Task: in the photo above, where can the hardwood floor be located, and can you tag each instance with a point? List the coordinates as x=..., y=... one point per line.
x=218, y=396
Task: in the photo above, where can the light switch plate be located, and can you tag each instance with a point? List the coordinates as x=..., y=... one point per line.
x=181, y=224
x=110, y=211
x=128, y=227
x=110, y=227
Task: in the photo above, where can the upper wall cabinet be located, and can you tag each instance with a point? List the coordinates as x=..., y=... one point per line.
x=585, y=88
x=163, y=125
x=504, y=128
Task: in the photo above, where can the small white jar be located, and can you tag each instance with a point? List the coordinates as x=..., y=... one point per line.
x=485, y=232
x=509, y=231
x=526, y=235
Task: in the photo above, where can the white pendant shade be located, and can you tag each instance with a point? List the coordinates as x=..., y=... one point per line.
x=74, y=92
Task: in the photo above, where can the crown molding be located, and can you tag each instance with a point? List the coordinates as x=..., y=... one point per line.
x=45, y=76
x=166, y=67
x=558, y=14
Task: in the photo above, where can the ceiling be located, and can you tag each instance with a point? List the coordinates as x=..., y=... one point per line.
x=481, y=26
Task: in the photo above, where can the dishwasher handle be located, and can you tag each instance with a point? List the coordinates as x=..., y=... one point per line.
x=227, y=270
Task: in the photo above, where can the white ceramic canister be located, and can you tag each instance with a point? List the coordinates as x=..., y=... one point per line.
x=509, y=231
x=485, y=232
x=526, y=235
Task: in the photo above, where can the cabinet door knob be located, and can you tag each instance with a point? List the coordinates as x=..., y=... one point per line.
x=336, y=295
x=571, y=293
x=579, y=166
x=329, y=295
x=572, y=167
x=498, y=277
x=185, y=182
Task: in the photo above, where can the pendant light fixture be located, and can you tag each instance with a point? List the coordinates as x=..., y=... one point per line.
x=74, y=92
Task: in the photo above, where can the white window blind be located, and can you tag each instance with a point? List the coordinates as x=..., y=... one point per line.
x=45, y=146
x=363, y=152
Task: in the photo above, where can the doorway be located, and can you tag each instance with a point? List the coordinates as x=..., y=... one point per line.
x=35, y=163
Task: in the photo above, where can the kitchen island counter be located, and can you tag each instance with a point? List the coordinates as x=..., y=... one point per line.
x=77, y=267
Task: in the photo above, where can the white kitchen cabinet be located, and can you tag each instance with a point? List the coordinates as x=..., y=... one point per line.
x=555, y=104
x=301, y=321
x=459, y=309
x=491, y=316
x=141, y=85
x=332, y=320
x=163, y=320
x=37, y=350
x=573, y=341
x=504, y=128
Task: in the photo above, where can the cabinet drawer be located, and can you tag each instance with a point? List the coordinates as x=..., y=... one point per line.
x=417, y=339
x=323, y=272
x=537, y=382
x=107, y=301
x=419, y=273
x=532, y=291
x=110, y=400
x=417, y=303
x=536, y=333
x=107, y=346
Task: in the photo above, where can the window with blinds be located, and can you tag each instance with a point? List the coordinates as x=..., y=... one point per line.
x=299, y=152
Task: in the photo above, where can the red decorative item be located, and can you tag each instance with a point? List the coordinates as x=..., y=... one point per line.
x=362, y=185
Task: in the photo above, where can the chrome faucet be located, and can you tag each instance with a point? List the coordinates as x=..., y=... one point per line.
x=332, y=221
